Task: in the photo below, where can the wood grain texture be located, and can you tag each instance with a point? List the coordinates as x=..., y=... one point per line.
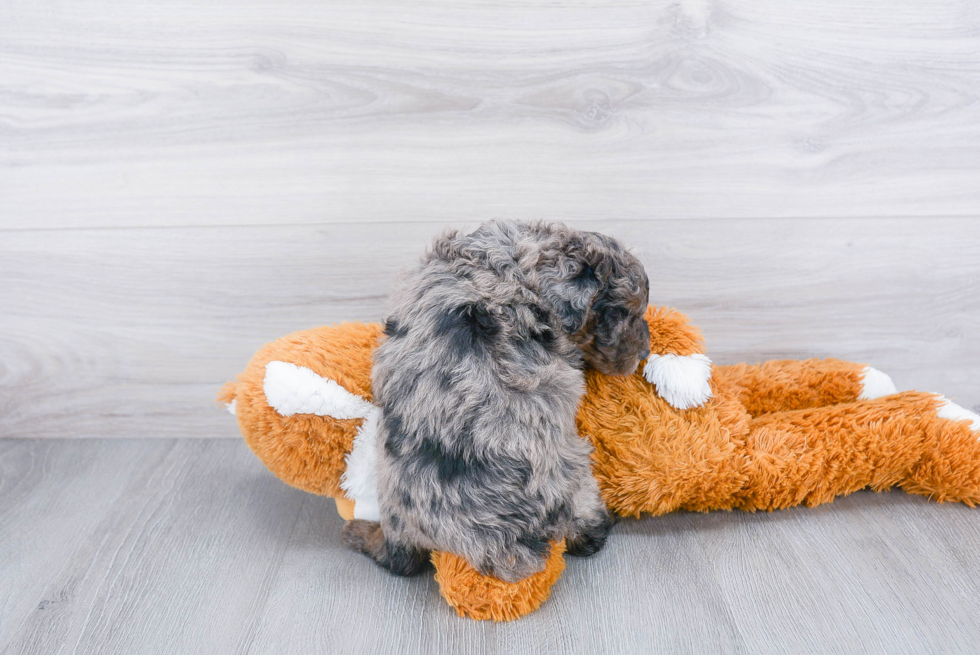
x=175, y=546
x=262, y=112
x=152, y=557
x=122, y=333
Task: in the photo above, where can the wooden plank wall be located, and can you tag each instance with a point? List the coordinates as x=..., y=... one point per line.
x=181, y=182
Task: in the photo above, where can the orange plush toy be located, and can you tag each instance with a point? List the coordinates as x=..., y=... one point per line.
x=678, y=434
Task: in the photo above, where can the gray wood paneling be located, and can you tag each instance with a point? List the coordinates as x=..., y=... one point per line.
x=178, y=546
x=129, y=332
x=267, y=112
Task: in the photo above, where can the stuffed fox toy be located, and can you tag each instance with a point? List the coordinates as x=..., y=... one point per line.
x=679, y=434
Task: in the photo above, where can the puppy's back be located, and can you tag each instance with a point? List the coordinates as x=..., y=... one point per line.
x=478, y=391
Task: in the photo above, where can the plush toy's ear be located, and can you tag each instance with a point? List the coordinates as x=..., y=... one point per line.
x=681, y=380
x=677, y=366
x=291, y=389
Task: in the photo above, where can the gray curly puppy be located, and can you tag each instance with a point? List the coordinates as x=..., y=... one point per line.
x=479, y=382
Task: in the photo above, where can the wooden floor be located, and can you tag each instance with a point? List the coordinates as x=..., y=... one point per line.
x=190, y=546
x=181, y=182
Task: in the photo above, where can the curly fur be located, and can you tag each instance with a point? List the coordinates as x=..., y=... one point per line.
x=479, y=381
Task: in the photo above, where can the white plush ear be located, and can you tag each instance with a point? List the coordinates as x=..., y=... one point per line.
x=291, y=389
x=681, y=380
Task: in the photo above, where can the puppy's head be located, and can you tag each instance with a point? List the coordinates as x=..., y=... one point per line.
x=600, y=298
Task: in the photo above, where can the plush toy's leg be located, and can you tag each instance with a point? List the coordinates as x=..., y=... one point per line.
x=782, y=385
x=812, y=455
x=951, y=456
x=482, y=597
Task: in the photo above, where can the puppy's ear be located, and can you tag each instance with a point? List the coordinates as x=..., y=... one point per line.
x=573, y=299
x=575, y=279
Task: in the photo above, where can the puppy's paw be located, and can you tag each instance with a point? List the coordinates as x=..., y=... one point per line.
x=591, y=539
x=364, y=537
x=367, y=537
x=681, y=380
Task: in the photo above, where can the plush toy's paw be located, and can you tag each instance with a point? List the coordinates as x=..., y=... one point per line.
x=681, y=380
x=950, y=410
x=483, y=597
x=875, y=384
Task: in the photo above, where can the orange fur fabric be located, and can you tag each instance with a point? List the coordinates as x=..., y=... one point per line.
x=305, y=450
x=481, y=597
x=771, y=436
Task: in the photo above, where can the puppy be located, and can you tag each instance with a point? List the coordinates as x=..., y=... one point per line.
x=479, y=381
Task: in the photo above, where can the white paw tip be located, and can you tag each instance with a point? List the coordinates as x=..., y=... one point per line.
x=950, y=410
x=875, y=384
x=681, y=380
x=231, y=407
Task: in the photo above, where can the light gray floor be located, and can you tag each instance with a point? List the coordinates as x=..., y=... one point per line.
x=190, y=546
